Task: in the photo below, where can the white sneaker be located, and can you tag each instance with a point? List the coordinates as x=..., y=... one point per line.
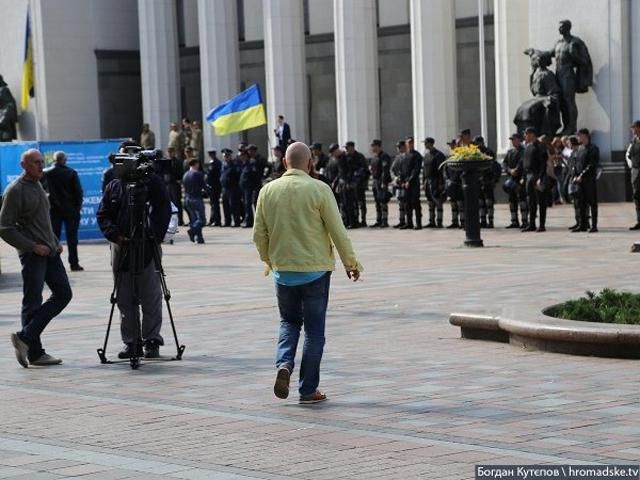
x=46, y=360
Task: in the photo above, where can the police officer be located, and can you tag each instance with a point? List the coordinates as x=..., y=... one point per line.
x=587, y=163
x=213, y=171
x=173, y=181
x=434, y=182
x=380, y=167
x=263, y=169
x=346, y=188
x=250, y=181
x=573, y=189
x=332, y=172
x=230, y=183
x=453, y=190
x=490, y=178
x=513, y=185
x=413, y=203
x=633, y=160
x=398, y=168
x=319, y=158
x=360, y=171
x=535, y=167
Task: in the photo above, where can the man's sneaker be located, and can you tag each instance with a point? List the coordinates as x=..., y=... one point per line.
x=130, y=350
x=152, y=349
x=77, y=268
x=315, y=397
x=46, y=360
x=281, y=386
x=22, y=350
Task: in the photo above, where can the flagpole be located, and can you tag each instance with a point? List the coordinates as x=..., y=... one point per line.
x=483, y=77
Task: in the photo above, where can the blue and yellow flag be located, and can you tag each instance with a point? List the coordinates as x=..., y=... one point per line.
x=242, y=112
x=27, y=69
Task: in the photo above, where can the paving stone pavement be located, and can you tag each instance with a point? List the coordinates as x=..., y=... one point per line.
x=408, y=397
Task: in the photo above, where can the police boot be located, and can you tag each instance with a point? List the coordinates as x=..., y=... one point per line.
x=637, y=225
x=418, y=224
x=594, y=220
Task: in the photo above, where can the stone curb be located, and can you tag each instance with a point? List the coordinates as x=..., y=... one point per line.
x=537, y=331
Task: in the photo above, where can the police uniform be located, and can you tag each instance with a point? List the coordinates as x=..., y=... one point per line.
x=399, y=170
x=360, y=180
x=380, y=167
x=633, y=159
x=214, y=169
x=490, y=178
x=413, y=201
x=250, y=182
x=434, y=184
x=453, y=191
x=230, y=183
x=346, y=188
x=587, y=163
x=514, y=187
x=535, y=168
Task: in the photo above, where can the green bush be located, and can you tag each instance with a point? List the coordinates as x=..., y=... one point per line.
x=610, y=306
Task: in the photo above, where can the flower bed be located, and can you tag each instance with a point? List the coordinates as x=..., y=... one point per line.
x=609, y=306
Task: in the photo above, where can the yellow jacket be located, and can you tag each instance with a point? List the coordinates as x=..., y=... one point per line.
x=296, y=221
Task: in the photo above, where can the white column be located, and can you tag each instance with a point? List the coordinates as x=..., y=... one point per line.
x=635, y=59
x=511, y=25
x=159, y=66
x=219, y=62
x=357, y=86
x=285, y=66
x=434, y=77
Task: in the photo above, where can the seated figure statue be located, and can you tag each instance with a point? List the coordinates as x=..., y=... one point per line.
x=543, y=110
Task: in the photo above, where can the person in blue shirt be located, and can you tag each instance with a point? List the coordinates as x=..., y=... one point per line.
x=194, y=189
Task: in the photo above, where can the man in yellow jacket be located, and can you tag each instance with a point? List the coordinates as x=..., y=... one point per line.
x=297, y=222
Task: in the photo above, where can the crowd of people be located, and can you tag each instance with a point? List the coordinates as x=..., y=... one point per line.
x=536, y=173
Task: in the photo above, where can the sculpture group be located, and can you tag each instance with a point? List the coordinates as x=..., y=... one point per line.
x=553, y=110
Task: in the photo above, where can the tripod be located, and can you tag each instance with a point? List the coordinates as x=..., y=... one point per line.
x=132, y=254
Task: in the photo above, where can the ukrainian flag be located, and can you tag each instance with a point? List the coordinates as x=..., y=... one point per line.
x=242, y=112
x=27, y=69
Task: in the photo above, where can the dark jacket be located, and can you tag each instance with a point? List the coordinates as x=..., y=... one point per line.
x=114, y=217
x=588, y=161
x=65, y=192
x=214, y=169
x=230, y=175
x=250, y=176
x=380, y=167
x=358, y=169
x=513, y=160
x=534, y=160
x=193, y=184
x=415, y=160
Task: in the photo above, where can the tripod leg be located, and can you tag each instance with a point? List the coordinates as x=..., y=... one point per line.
x=167, y=297
x=102, y=352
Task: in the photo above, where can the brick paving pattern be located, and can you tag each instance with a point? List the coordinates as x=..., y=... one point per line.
x=408, y=397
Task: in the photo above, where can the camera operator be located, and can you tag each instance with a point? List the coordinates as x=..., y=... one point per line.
x=114, y=219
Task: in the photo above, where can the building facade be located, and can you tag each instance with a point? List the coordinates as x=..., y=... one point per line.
x=337, y=70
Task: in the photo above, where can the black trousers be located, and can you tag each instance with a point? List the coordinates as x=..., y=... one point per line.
x=231, y=206
x=536, y=200
x=214, y=201
x=71, y=224
x=588, y=201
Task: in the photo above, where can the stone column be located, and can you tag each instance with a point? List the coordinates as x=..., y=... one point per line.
x=159, y=66
x=635, y=59
x=285, y=67
x=434, y=77
x=219, y=63
x=357, y=85
x=511, y=26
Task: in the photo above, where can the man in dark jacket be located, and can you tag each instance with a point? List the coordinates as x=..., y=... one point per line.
x=413, y=184
x=65, y=196
x=513, y=185
x=346, y=187
x=380, y=167
x=139, y=283
x=250, y=181
x=633, y=161
x=434, y=182
x=360, y=179
x=534, y=164
x=587, y=163
x=230, y=183
x=490, y=178
x=214, y=169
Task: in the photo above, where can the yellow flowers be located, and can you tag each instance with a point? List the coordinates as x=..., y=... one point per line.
x=471, y=152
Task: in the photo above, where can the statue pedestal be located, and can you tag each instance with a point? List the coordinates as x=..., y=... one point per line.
x=471, y=174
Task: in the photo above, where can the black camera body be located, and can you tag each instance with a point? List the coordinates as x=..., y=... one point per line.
x=134, y=164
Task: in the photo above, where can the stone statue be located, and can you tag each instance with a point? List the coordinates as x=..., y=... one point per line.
x=574, y=71
x=543, y=110
x=8, y=113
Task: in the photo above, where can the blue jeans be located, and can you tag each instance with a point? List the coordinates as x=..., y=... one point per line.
x=36, y=271
x=195, y=206
x=303, y=305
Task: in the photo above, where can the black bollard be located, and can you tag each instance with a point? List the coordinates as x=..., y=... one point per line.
x=471, y=189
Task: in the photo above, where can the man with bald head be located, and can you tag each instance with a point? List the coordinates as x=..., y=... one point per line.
x=25, y=225
x=297, y=223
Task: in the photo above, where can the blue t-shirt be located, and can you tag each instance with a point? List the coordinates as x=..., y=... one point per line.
x=294, y=279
